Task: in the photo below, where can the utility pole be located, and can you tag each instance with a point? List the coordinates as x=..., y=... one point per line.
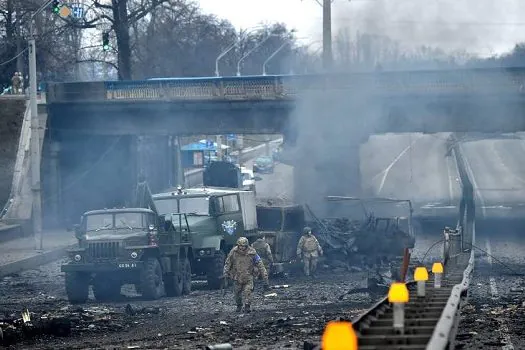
x=327, y=35
x=35, y=133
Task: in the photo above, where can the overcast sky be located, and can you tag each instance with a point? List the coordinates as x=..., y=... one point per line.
x=478, y=26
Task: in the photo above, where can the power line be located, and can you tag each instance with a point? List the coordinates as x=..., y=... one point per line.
x=13, y=58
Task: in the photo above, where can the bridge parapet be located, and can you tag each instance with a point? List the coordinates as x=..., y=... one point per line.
x=282, y=87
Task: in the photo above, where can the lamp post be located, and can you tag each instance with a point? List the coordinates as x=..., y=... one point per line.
x=35, y=133
x=252, y=50
x=231, y=47
x=287, y=41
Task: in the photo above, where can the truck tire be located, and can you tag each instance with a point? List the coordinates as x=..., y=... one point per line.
x=174, y=281
x=77, y=287
x=151, y=282
x=214, y=273
x=186, y=273
x=105, y=289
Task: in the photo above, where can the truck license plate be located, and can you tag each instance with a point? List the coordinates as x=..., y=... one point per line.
x=127, y=266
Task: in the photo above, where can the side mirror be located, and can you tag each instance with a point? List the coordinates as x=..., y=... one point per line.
x=257, y=178
x=78, y=232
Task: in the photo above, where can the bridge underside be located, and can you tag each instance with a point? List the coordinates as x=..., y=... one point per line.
x=410, y=113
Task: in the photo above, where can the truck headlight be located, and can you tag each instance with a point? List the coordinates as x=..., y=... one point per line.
x=78, y=257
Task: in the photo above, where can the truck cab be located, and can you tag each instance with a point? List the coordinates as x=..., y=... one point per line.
x=217, y=217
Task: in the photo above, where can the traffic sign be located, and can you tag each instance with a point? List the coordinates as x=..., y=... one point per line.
x=231, y=137
x=77, y=11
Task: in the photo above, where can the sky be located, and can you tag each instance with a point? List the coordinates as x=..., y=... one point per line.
x=482, y=27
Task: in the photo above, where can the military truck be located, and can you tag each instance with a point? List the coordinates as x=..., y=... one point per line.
x=218, y=216
x=130, y=246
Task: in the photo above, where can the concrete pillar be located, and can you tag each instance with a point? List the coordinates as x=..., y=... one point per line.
x=240, y=141
x=177, y=156
x=219, y=146
x=267, y=150
x=55, y=188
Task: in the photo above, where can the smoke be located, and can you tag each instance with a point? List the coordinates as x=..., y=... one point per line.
x=472, y=25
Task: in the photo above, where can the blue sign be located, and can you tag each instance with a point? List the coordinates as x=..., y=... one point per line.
x=231, y=137
x=77, y=11
x=209, y=143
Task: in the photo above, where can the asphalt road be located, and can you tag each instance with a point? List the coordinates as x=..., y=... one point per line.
x=415, y=167
x=497, y=170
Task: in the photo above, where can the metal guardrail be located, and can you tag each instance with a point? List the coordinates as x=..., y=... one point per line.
x=279, y=87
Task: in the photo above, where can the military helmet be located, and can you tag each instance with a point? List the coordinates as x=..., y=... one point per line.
x=242, y=241
x=307, y=230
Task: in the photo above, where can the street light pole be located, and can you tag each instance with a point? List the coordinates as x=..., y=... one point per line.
x=222, y=55
x=252, y=50
x=273, y=55
x=327, y=34
x=35, y=134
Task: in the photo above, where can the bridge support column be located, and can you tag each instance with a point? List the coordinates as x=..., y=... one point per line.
x=52, y=203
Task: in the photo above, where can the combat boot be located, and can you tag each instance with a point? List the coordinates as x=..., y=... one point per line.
x=247, y=308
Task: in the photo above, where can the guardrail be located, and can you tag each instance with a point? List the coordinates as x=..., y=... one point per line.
x=194, y=177
x=279, y=87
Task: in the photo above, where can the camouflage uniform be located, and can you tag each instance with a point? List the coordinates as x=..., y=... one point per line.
x=264, y=251
x=16, y=83
x=309, y=249
x=240, y=265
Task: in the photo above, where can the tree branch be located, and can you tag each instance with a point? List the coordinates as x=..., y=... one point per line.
x=95, y=60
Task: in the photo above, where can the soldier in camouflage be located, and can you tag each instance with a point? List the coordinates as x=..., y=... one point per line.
x=265, y=252
x=241, y=263
x=309, y=250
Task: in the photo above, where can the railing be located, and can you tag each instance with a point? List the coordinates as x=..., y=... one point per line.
x=279, y=87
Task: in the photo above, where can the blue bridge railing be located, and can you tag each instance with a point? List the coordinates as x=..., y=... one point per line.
x=278, y=87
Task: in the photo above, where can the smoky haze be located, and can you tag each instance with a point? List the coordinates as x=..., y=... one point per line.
x=472, y=25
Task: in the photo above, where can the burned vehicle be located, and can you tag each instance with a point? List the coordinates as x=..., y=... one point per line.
x=381, y=236
x=217, y=217
x=129, y=246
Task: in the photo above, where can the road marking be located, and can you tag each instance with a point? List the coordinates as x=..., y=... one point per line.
x=473, y=179
x=503, y=329
x=387, y=169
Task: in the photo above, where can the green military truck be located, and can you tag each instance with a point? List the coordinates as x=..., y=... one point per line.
x=130, y=246
x=217, y=217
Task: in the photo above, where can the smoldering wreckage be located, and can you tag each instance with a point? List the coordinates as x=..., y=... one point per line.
x=182, y=234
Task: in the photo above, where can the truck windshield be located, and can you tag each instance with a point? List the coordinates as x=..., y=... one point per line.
x=197, y=205
x=97, y=222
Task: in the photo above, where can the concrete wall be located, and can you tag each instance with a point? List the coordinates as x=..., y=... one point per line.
x=11, y=118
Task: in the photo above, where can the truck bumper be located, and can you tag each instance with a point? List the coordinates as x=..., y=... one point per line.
x=103, y=267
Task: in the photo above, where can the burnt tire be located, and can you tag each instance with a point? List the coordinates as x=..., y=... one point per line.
x=214, y=273
x=77, y=287
x=186, y=277
x=151, y=282
x=174, y=281
x=104, y=289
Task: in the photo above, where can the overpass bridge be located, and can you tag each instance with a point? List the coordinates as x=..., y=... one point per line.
x=415, y=101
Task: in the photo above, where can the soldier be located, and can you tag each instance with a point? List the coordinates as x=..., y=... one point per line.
x=240, y=265
x=309, y=249
x=15, y=83
x=264, y=251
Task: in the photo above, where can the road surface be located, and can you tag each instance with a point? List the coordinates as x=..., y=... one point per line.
x=497, y=169
x=415, y=167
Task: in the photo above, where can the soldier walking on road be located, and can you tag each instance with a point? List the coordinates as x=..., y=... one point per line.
x=309, y=250
x=264, y=251
x=241, y=263
x=16, y=82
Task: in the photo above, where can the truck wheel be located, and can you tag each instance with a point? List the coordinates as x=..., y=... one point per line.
x=215, y=271
x=77, y=287
x=151, y=282
x=186, y=273
x=174, y=281
x=104, y=289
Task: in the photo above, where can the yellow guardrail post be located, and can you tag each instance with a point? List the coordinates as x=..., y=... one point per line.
x=437, y=270
x=398, y=296
x=421, y=276
x=339, y=335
